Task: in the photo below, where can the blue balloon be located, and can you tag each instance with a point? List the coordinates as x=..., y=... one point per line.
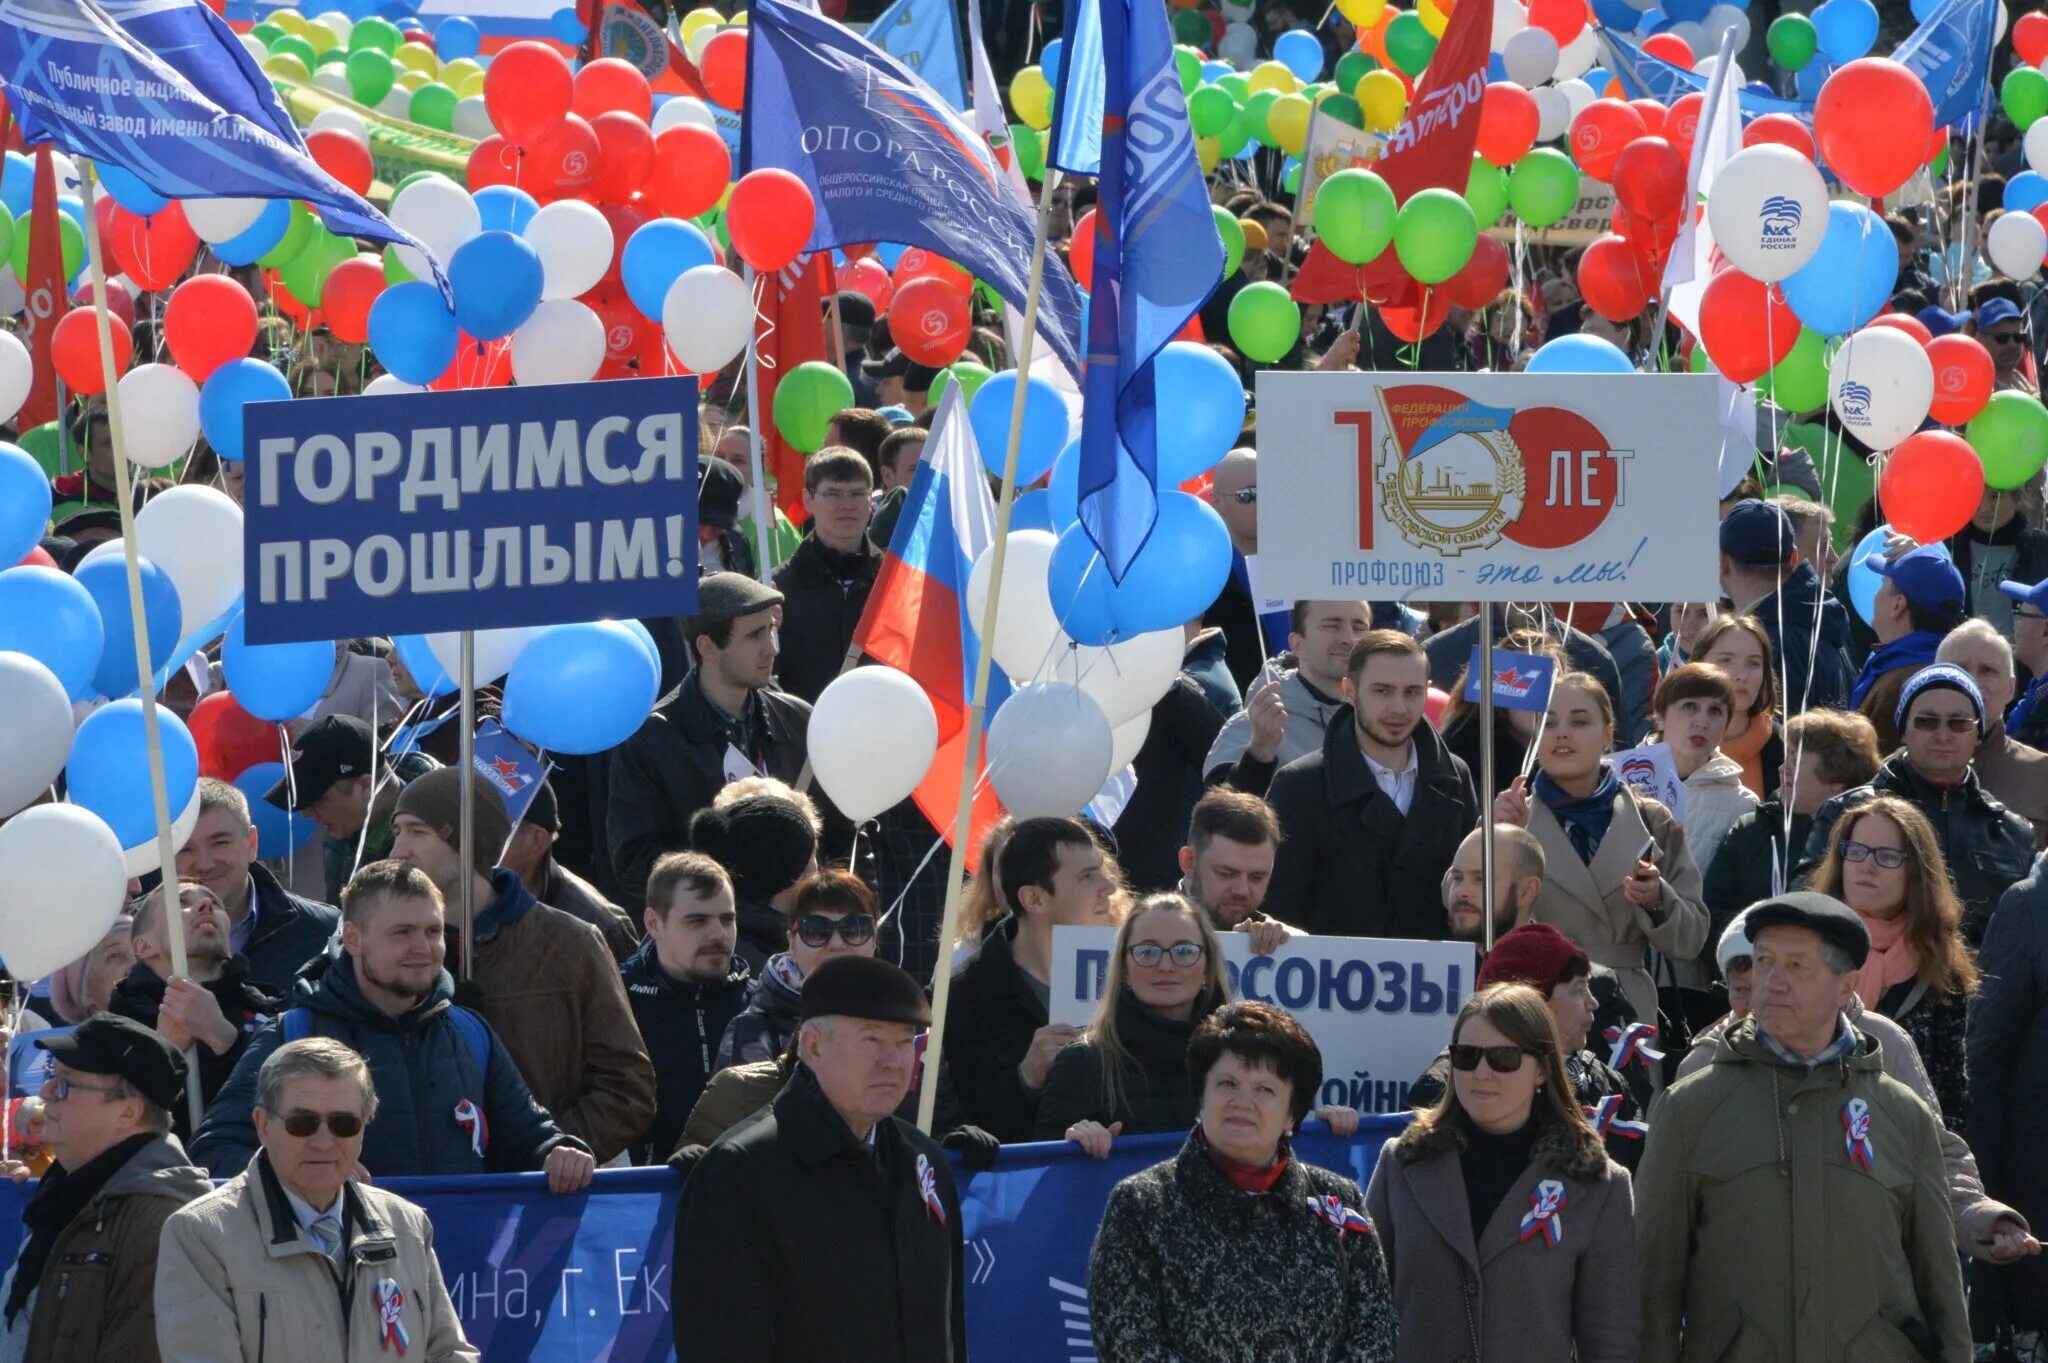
x=1618, y=15
x=1808, y=79
x=566, y=27
x=426, y=669
x=497, y=281
x=1201, y=410
x=1924, y=9
x=1214, y=71
x=1496, y=68
x=278, y=834
x=1849, y=280
x=1179, y=572
x=1847, y=29
x=227, y=391
x=24, y=502
x=277, y=682
x=108, y=772
x=260, y=237
x=73, y=208
x=1863, y=579
x=2026, y=190
x=1598, y=76
x=412, y=332
x=1579, y=354
x=1760, y=87
x=1063, y=489
x=505, y=208
x=129, y=192
x=1049, y=59
x=18, y=184
x=105, y=579
x=1300, y=51
x=580, y=688
x=48, y=616
x=1045, y=425
x=646, y=637
x=656, y=255
x=1032, y=511
x=1651, y=21
x=457, y=37
x=1683, y=10
x=1081, y=590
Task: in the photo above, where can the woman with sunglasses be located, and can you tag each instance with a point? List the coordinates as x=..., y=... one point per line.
x=1507, y=1229
x=1884, y=862
x=833, y=915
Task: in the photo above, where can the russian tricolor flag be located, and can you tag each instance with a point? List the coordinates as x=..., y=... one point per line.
x=917, y=618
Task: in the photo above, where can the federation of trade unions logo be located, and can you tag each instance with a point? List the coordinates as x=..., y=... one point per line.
x=1460, y=481
x=1778, y=220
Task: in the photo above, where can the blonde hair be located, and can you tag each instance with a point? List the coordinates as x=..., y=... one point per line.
x=769, y=785
x=1103, y=1033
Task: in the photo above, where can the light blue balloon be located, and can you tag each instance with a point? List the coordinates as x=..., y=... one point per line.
x=412, y=332
x=505, y=208
x=1063, y=489
x=497, y=281
x=1653, y=20
x=1924, y=9
x=24, y=503
x=1847, y=29
x=1032, y=511
x=72, y=207
x=457, y=37
x=1081, y=590
x=1849, y=280
x=1045, y=430
x=656, y=255
x=1863, y=579
x=1200, y=402
x=1179, y=572
x=227, y=391
x=1049, y=59
x=260, y=237
x=18, y=184
x=580, y=688
x=278, y=834
x=48, y=616
x=276, y=682
x=1213, y=71
x=108, y=772
x=1808, y=79
x=1579, y=354
x=566, y=27
x=129, y=192
x=427, y=672
x=646, y=638
x=1598, y=77
x=106, y=581
x=1300, y=52
x=2026, y=190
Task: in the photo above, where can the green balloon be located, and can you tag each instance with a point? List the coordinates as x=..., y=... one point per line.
x=371, y=74
x=1029, y=145
x=381, y=34
x=45, y=445
x=1210, y=111
x=1344, y=109
x=969, y=375
x=1232, y=139
x=2011, y=436
x=267, y=34
x=1434, y=234
x=1192, y=26
x=2024, y=93
x=1792, y=40
x=1290, y=179
x=394, y=268
x=433, y=106
x=71, y=245
x=1486, y=189
x=1232, y=233
x=335, y=56
x=1255, y=110
x=1313, y=91
x=291, y=45
x=1799, y=383
x=1352, y=68
x=6, y=233
x=1543, y=187
x=1355, y=215
x=1409, y=44
x=1264, y=322
x=305, y=274
x=298, y=230
x=1189, y=62
x=1699, y=363
x=1239, y=86
x=1939, y=165
x=807, y=399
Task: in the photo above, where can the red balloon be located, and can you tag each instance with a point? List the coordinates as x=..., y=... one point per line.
x=1930, y=485
x=1411, y=324
x=75, y=350
x=2030, y=37
x=527, y=91
x=230, y=739
x=725, y=68
x=918, y=263
x=1081, y=250
x=609, y=85
x=1682, y=123
x=2040, y=214
x=1563, y=19
x=1481, y=277
x=301, y=316
x=494, y=162
x=37, y=557
x=691, y=169
x=1782, y=129
x=341, y=155
x=477, y=364
x=625, y=335
x=1963, y=378
x=1747, y=326
x=1652, y=238
x=1599, y=132
x=624, y=222
x=1649, y=179
x=625, y=157
x=1872, y=123
x=209, y=320
x=1653, y=115
x=1671, y=48
x=351, y=288
x=1612, y=279
x=1508, y=122
x=1906, y=322
x=769, y=218
x=118, y=298
x=155, y=251
x=564, y=164
x=868, y=279
x=930, y=321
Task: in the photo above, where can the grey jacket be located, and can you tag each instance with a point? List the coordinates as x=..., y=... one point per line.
x=1308, y=715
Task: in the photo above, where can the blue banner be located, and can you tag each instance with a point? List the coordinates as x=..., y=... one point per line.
x=925, y=36
x=1521, y=681
x=509, y=766
x=424, y=512
x=29, y=1064
x=1643, y=76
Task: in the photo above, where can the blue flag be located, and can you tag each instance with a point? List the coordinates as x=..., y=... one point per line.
x=165, y=91
x=1643, y=76
x=1157, y=257
x=506, y=763
x=1951, y=54
x=925, y=36
x=1521, y=681
x=887, y=159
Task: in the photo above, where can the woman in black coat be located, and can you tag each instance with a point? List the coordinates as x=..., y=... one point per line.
x=2008, y=1067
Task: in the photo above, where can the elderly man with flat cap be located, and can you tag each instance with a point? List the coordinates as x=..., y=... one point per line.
x=724, y=721
x=1790, y=1202
x=824, y=1229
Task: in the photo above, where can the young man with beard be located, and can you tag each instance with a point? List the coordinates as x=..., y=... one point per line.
x=1518, y=866
x=277, y=931
x=1227, y=864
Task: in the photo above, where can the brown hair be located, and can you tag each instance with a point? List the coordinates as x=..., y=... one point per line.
x=694, y=871
x=1232, y=814
x=832, y=891
x=980, y=902
x=1521, y=1015
x=1375, y=642
x=1693, y=681
x=1590, y=684
x=1933, y=913
x=1710, y=634
x=381, y=880
x=837, y=464
x=1842, y=745
x=862, y=430
x=1264, y=1037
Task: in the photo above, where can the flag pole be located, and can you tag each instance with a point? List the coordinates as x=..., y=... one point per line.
x=963, y=818
x=1486, y=721
x=467, y=800
x=755, y=416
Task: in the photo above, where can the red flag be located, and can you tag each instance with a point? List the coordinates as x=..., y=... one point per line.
x=47, y=299
x=789, y=330
x=1432, y=149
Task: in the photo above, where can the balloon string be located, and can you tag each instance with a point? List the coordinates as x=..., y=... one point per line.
x=766, y=325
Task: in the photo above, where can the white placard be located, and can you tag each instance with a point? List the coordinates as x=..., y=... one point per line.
x=1651, y=770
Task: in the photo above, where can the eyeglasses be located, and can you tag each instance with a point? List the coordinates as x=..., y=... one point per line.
x=2033, y=616
x=840, y=494
x=301, y=1123
x=1149, y=954
x=1891, y=858
x=1957, y=724
x=1499, y=1059
x=1244, y=496
x=854, y=929
x=2005, y=337
x=62, y=1088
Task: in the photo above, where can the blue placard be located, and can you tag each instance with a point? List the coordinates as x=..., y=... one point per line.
x=1521, y=681
x=29, y=1064
x=425, y=512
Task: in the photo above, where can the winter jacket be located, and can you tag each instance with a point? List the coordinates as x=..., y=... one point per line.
x=1714, y=799
x=561, y=888
x=1350, y=863
x=823, y=595
x=682, y=1024
x=93, y=1302
x=2029, y=563
x=762, y=1028
x=290, y=931
x=991, y=1015
x=1760, y=1238
x=1803, y=619
x=1755, y=850
x=239, y=1281
x=140, y=995
x=1593, y=1081
x=551, y=990
x=1988, y=847
x=421, y=1064
x=789, y=1184
x=1936, y=1021
x=1309, y=712
x=1158, y=1094
x=2008, y=1066
x=1450, y=651
x=1507, y=1296
x=1184, y=725
x=738, y=1092
x=2015, y=775
x=1204, y=660
x=1167, y=1278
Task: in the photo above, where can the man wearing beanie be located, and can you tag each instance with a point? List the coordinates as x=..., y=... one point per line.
x=766, y=844
x=546, y=982
x=1791, y=1194
x=827, y=1195
x=1940, y=717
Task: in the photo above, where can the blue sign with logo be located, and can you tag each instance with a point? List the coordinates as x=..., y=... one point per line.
x=425, y=512
x=1521, y=681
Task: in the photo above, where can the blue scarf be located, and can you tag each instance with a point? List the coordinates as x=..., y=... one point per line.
x=1585, y=817
x=1909, y=650
x=2021, y=713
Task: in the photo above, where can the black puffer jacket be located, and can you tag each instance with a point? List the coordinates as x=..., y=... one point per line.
x=1789, y=617
x=682, y=1024
x=823, y=595
x=1158, y=1094
x=2008, y=1067
x=140, y=995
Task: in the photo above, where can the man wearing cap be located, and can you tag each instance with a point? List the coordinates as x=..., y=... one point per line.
x=340, y=781
x=80, y=1289
x=1920, y=600
x=720, y=489
x=900, y=381
x=545, y=982
x=1764, y=576
x=1789, y=1202
x=1998, y=325
x=856, y=324
x=824, y=1229
x=275, y=929
x=2028, y=721
x=531, y=855
x=1986, y=845
x=826, y=582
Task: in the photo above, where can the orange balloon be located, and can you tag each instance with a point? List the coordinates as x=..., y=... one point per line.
x=1081, y=250
x=1373, y=41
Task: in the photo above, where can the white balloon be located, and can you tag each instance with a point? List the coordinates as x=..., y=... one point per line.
x=1695, y=34
x=706, y=316
x=1509, y=18
x=35, y=731
x=1530, y=56
x=1576, y=57
x=1553, y=113
x=1576, y=93
x=872, y=737
x=2016, y=243
x=253, y=46
x=61, y=884
x=2036, y=147
x=694, y=45
x=575, y=246
x=562, y=342
x=1768, y=210
x=397, y=103
x=146, y=856
x=336, y=22
x=1125, y=740
x=684, y=109
x=1049, y=750
x=1127, y=679
x=194, y=533
x=340, y=120
x=389, y=385
x=159, y=412
x=1724, y=19
x=13, y=298
x=1027, y=628
x=494, y=653
x=1998, y=25
x=1880, y=384
x=67, y=173
x=1239, y=45
x=17, y=374
x=473, y=120
x=441, y=214
x=334, y=81
x=218, y=220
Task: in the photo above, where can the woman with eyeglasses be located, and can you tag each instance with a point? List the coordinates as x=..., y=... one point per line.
x=1508, y=1232
x=1884, y=862
x=833, y=915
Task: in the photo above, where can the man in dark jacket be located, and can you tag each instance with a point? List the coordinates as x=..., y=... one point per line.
x=2009, y=1090
x=827, y=1169
x=1764, y=577
x=826, y=582
x=2028, y=721
x=1372, y=821
x=453, y=1100
x=1919, y=601
x=340, y=781
x=275, y=930
x=531, y=854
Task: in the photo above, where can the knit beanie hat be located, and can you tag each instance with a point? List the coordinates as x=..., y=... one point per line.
x=1734, y=944
x=763, y=841
x=1938, y=677
x=1534, y=954
x=435, y=799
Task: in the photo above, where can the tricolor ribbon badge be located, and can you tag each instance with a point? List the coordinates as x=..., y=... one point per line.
x=470, y=1118
x=928, y=1185
x=1606, y=1118
x=1633, y=1043
x=1546, y=1213
x=390, y=1307
x=1856, y=1124
x=1347, y=1221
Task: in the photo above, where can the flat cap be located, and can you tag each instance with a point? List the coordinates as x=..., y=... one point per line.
x=1835, y=921
x=864, y=987
x=727, y=596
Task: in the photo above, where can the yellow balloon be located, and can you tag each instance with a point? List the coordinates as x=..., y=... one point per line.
x=410, y=81
x=460, y=70
x=1362, y=13
x=699, y=18
x=740, y=20
x=286, y=65
x=1384, y=101
x=291, y=21
x=1210, y=153
x=1254, y=234
x=416, y=57
x=1273, y=76
x=471, y=85
x=1031, y=97
x=1433, y=19
x=1287, y=120
x=321, y=38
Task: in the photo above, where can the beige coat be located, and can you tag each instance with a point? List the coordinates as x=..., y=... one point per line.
x=238, y=1281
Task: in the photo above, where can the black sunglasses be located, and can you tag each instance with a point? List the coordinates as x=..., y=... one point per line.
x=301, y=1123
x=854, y=929
x=1957, y=724
x=1499, y=1059
x=2005, y=337
x=1891, y=858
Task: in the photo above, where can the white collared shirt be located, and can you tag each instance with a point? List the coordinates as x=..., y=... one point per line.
x=1398, y=785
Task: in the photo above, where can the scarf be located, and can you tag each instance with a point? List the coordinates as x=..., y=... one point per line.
x=1893, y=960
x=1749, y=751
x=1913, y=650
x=1585, y=817
x=60, y=1199
x=1257, y=1179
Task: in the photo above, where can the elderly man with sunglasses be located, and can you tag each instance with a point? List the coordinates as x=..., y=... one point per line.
x=296, y=1258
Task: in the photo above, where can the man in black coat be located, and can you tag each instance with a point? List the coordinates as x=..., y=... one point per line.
x=824, y=1229
x=826, y=582
x=277, y=931
x=1765, y=578
x=1372, y=822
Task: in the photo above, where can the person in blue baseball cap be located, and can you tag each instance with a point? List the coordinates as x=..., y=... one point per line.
x=1921, y=599
x=1999, y=327
x=1764, y=577
x=2028, y=721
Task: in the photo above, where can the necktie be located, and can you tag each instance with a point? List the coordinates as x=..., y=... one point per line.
x=327, y=1234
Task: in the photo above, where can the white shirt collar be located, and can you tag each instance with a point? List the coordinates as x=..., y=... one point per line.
x=306, y=1212
x=1383, y=773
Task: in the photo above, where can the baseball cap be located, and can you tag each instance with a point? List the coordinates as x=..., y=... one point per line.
x=1924, y=576
x=1756, y=533
x=719, y=489
x=109, y=1044
x=2035, y=596
x=855, y=309
x=1996, y=310
x=336, y=748
x=917, y=378
x=896, y=416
